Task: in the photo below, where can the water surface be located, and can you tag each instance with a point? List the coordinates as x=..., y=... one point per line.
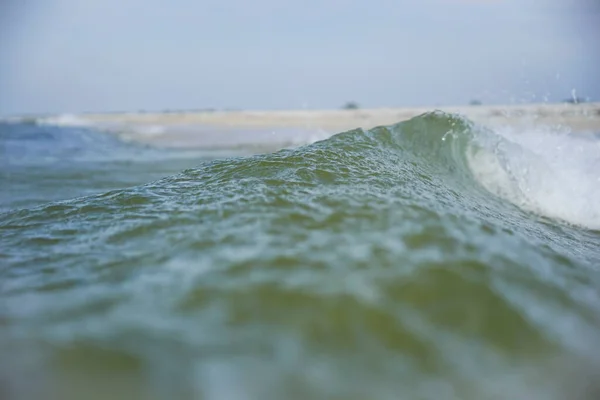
x=431, y=259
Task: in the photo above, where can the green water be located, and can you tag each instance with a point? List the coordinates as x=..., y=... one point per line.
x=371, y=265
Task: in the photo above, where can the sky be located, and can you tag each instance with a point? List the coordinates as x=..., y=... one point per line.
x=66, y=56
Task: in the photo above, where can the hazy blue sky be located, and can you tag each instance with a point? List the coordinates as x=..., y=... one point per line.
x=101, y=55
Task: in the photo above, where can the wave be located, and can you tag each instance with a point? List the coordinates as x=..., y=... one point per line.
x=545, y=171
x=434, y=246
x=548, y=171
x=66, y=120
x=43, y=143
x=448, y=164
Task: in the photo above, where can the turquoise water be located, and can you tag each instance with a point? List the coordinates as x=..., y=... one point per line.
x=431, y=259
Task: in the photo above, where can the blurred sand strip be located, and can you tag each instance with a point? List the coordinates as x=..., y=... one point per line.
x=227, y=128
x=580, y=115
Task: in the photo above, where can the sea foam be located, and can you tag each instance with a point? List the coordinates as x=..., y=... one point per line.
x=546, y=170
x=66, y=120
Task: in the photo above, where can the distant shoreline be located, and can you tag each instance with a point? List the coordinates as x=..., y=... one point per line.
x=575, y=115
x=277, y=128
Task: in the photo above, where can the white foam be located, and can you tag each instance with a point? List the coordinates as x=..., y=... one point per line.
x=64, y=120
x=135, y=133
x=549, y=171
x=150, y=130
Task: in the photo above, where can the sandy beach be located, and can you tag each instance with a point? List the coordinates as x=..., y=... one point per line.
x=218, y=129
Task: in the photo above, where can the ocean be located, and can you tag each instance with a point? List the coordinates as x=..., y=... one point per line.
x=430, y=259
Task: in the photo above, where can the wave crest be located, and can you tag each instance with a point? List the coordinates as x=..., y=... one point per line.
x=547, y=171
